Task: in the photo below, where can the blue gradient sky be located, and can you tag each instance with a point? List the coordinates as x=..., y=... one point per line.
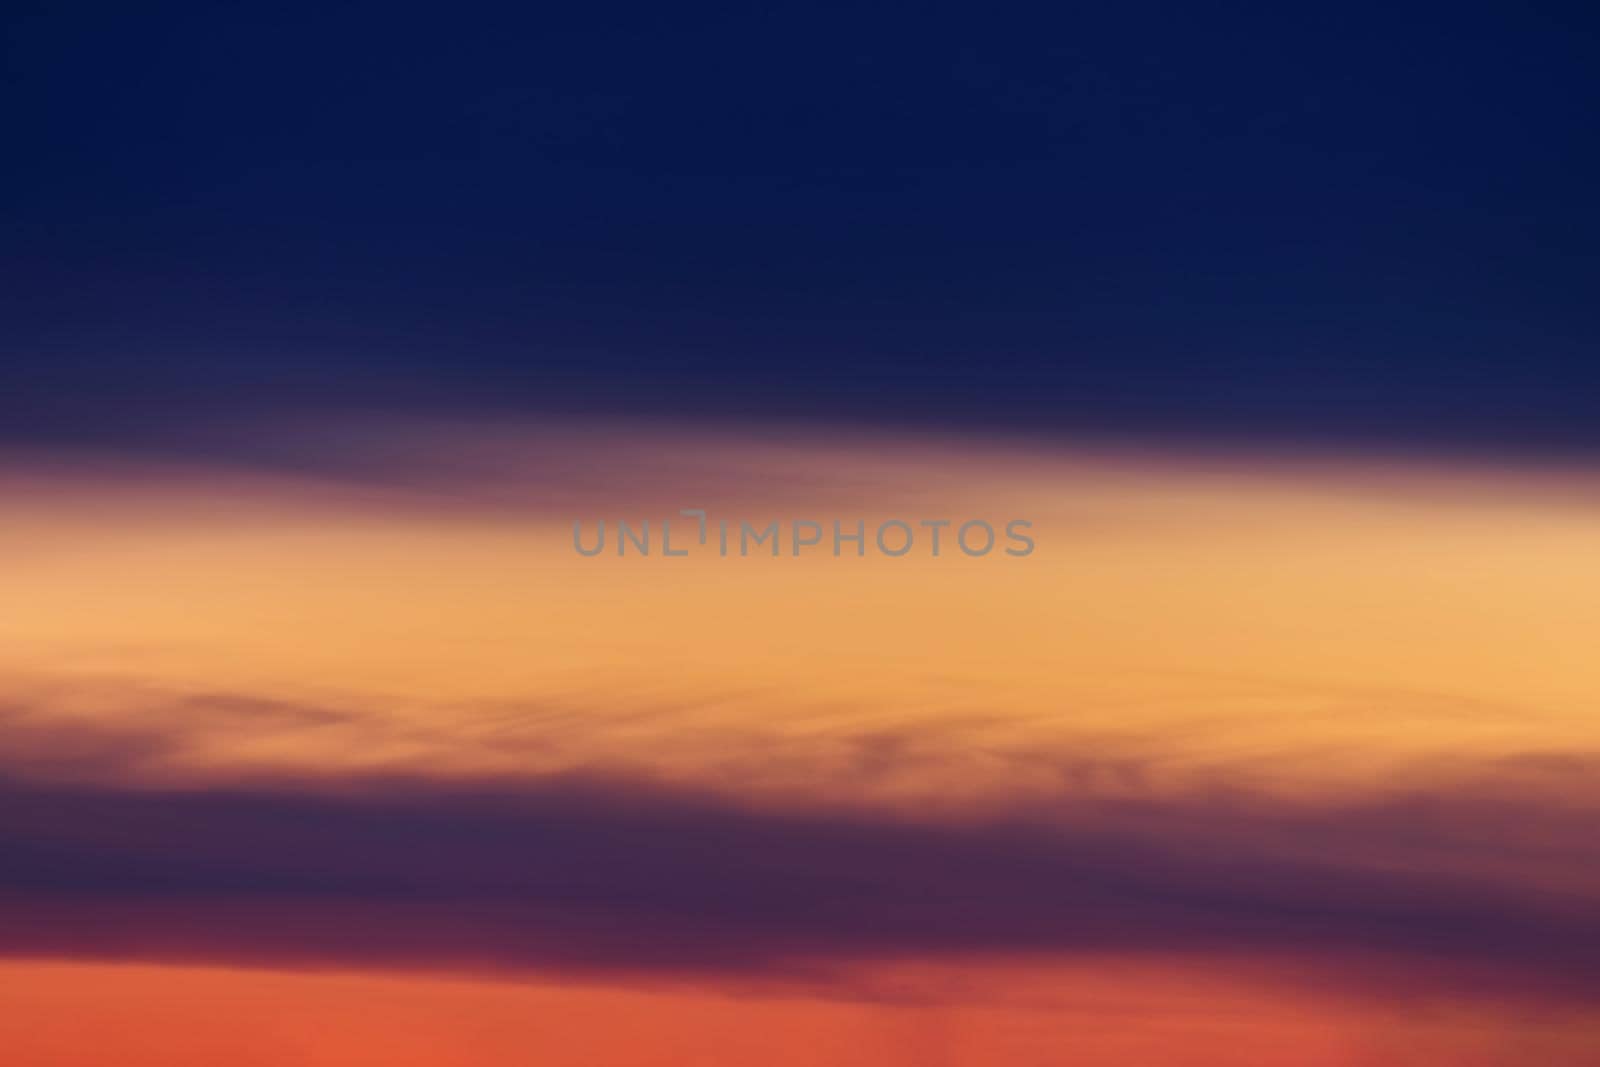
x=1355, y=222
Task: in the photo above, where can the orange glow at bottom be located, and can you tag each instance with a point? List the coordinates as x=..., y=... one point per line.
x=67, y=1015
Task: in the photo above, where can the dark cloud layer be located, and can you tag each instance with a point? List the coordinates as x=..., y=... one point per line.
x=580, y=873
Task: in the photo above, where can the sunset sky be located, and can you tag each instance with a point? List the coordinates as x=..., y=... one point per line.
x=1248, y=756
x=321, y=744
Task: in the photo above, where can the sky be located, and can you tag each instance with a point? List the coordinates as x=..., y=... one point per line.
x=322, y=327
x=1344, y=222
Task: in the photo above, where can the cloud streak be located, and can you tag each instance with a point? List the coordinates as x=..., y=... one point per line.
x=588, y=872
x=1233, y=722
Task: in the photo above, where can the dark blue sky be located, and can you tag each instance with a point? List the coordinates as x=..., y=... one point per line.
x=1374, y=223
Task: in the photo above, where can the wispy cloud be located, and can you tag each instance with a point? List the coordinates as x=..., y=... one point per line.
x=594, y=870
